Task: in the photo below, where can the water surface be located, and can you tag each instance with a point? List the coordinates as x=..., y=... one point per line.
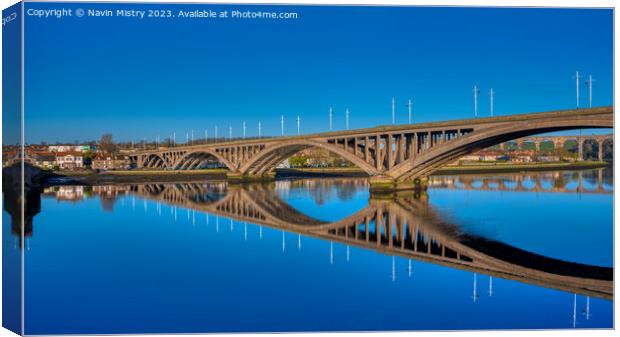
x=322, y=255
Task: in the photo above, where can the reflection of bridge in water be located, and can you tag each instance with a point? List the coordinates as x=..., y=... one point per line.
x=405, y=227
x=553, y=182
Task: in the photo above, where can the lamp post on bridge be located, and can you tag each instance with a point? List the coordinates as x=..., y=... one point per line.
x=192, y=136
x=476, y=92
x=347, y=119
x=409, y=108
x=589, y=84
x=259, y=129
x=206, y=136
x=229, y=133
x=577, y=77
x=243, y=129
x=393, y=110
x=331, y=114
x=491, y=96
x=215, y=133
x=298, y=125
x=282, y=125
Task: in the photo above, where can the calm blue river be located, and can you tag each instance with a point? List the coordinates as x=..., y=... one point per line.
x=165, y=258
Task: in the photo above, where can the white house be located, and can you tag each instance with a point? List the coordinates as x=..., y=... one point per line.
x=69, y=160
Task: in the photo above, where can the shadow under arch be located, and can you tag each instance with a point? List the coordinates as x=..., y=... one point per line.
x=198, y=158
x=155, y=161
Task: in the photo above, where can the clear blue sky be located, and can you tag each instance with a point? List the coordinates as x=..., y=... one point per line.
x=142, y=78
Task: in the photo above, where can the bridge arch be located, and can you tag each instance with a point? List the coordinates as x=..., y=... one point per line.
x=590, y=148
x=605, y=143
x=194, y=159
x=432, y=159
x=154, y=161
x=272, y=155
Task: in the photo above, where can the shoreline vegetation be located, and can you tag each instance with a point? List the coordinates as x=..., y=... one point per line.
x=164, y=176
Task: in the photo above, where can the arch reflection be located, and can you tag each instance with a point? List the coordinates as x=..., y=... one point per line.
x=403, y=225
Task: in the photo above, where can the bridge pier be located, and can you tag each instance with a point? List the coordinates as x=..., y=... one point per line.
x=387, y=185
x=600, y=149
x=519, y=143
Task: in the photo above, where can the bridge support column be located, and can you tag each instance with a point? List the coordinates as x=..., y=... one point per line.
x=519, y=143
x=579, y=149
x=386, y=185
x=600, y=149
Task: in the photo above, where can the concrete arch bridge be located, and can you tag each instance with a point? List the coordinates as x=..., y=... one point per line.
x=396, y=157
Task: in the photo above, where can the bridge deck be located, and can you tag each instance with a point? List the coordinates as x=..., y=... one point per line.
x=459, y=123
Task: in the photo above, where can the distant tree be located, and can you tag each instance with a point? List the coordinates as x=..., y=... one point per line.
x=88, y=154
x=106, y=144
x=298, y=161
x=563, y=153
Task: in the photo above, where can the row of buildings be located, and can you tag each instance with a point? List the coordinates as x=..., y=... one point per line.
x=514, y=156
x=66, y=157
